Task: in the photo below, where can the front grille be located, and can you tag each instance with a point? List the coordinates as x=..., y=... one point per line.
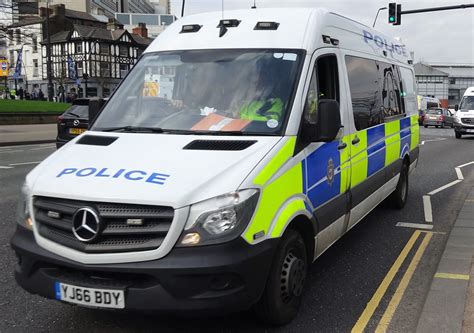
x=469, y=121
x=116, y=235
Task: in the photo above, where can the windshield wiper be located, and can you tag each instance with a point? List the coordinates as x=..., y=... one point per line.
x=74, y=114
x=198, y=132
x=133, y=129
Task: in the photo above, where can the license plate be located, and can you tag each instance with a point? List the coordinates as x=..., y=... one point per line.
x=470, y=131
x=76, y=130
x=433, y=118
x=103, y=298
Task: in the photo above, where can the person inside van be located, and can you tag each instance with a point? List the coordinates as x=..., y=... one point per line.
x=265, y=103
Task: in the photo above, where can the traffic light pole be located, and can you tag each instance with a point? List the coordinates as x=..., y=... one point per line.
x=435, y=9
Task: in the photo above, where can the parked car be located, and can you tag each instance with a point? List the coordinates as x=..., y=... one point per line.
x=73, y=121
x=438, y=117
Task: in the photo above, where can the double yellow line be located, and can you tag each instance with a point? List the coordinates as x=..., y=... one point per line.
x=397, y=296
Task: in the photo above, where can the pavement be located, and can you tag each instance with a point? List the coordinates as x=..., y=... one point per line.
x=449, y=306
x=11, y=135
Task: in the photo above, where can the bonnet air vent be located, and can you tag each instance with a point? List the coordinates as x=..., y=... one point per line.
x=218, y=145
x=96, y=140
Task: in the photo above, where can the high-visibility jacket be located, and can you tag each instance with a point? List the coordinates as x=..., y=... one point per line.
x=262, y=110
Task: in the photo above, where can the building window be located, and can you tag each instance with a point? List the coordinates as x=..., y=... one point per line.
x=452, y=81
x=18, y=36
x=105, y=69
x=123, y=18
x=78, y=47
x=34, y=41
x=104, y=49
x=91, y=91
x=35, y=67
x=123, y=50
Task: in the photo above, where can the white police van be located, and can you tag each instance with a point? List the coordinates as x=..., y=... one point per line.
x=464, y=118
x=235, y=152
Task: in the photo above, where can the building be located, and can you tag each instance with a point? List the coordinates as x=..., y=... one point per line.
x=69, y=27
x=107, y=8
x=100, y=57
x=447, y=82
x=155, y=23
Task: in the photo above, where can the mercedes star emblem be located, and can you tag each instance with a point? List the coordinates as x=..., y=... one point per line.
x=75, y=122
x=86, y=225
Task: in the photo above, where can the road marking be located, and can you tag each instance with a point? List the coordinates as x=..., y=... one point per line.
x=24, y=163
x=452, y=276
x=432, y=140
x=469, y=200
x=442, y=188
x=427, y=209
x=382, y=289
x=414, y=225
x=466, y=164
x=459, y=173
x=397, y=296
x=5, y=167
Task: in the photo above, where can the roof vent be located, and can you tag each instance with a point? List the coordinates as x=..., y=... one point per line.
x=266, y=26
x=232, y=145
x=96, y=140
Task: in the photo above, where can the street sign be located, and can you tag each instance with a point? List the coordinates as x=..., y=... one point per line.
x=3, y=67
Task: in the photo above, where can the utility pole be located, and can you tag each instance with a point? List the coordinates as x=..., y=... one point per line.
x=182, y=8
x=49, y=73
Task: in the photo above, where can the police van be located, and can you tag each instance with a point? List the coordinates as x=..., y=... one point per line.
x=235, y=152
x=464, y=118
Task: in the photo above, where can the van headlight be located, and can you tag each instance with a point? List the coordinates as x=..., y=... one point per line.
x=457, y=120
x=23, y=216
x=219, y=219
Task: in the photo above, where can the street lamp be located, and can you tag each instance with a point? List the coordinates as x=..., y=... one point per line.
x=376, y=16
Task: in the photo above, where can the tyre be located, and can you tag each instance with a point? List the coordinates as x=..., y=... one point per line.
x=437, y=126
x=281, y=298
x=443, y=125
x=426, y=126
x=458, y=135
x=399, y=197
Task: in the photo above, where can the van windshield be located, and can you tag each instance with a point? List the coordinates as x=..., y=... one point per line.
x=211, y=92
x=467, y=103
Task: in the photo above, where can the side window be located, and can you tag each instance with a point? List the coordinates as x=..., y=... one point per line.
x=390, y=86
x=365, y=92
x=408, y=91
x=310, y=107
x=324, y=85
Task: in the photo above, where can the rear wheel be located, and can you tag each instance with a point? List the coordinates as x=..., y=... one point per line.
x=458, y=135
x=399, y=197
x=281, y=298
x=437, y=126
x=426, y=126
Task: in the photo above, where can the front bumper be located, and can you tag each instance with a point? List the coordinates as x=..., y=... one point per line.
x=224, y=278
x=464, y=129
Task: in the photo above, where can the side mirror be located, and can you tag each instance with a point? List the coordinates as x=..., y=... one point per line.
x=95, y=106
x=327, y=125
x=456, y=107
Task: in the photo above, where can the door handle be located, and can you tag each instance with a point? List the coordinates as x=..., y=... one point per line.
x=341, y=146
x=356, y=140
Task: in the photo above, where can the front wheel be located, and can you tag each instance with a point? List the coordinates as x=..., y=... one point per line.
x=426, y=126
x=458, y=135
x=281, y=298
x=399, y=197
x=443, y=125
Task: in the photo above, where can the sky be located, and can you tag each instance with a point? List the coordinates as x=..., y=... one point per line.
x=436, y=37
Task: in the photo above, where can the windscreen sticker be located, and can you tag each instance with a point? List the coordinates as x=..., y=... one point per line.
x=272, y=123
x=133, y=175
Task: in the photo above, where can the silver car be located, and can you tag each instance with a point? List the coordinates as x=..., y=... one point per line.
x=438, y=117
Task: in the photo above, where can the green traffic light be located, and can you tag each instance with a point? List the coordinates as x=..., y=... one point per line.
x=392, y=19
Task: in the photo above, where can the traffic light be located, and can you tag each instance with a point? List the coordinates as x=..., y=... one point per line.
x=392, y=13
x=398, y=19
